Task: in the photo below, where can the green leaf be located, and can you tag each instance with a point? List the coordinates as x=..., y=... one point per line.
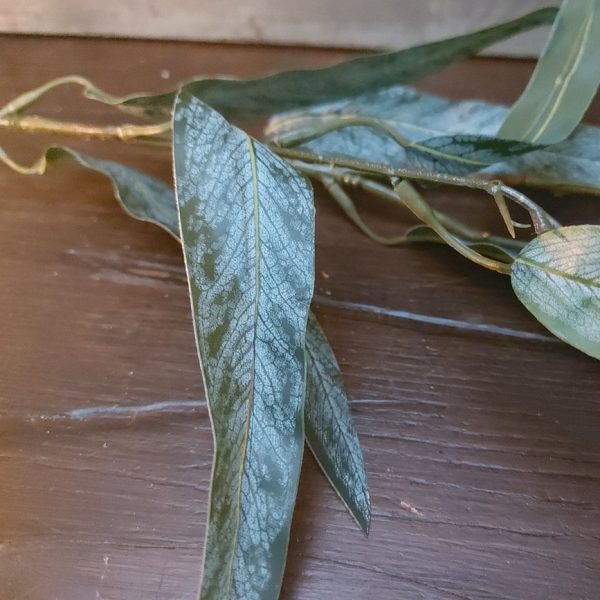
x=296, y=89
x=565, y=79
x=455, y=154
x=247, y=228
x=142, y=196
x=396, y=127
x=330, y=432
x=409, y=196
x=146, y=198
x=501, y=250
x=462, y=154
x=572, y=165
x=557, y=278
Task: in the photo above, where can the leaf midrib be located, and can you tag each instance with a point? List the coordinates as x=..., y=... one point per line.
x=569, y=276
x=570, y=66
x=256, y=207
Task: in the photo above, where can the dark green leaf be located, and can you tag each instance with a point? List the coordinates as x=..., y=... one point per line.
x=330, y=431
x=572, y=165
x=565, y=79
x=462, y=154
x=247, y=227
x=557, y=277
x=296, y=89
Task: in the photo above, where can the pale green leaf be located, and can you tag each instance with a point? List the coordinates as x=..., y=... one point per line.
x=247, y=228
x=557, y=278
x=565, y=79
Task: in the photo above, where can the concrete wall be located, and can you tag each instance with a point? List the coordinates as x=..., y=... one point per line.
x=344, y=23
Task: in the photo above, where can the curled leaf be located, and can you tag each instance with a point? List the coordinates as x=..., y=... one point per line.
x=496, y=248
x=142, y=196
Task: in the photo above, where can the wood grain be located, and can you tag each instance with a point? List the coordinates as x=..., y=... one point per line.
x=480, y=433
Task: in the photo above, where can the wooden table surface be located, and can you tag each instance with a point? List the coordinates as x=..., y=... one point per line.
x=480, y=433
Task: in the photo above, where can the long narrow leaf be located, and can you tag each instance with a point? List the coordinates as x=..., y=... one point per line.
x=147, y=198
x=297, y=89
x=565, y=79
x=330, y=432
x=247, y=227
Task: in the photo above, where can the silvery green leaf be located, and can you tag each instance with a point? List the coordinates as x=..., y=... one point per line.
x=572, y=165
x=401, y=127
x=247, y=229
x=147, y=198
x=557, y=278
x=330, y=432
x=565, y=79
x=296, y=89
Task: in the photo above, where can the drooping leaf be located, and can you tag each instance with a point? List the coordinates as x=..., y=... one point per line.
x=142, y=196
x=411, y=198
x=330, y=432
x=572, y=165
x=149, y=199
x=565, y=79
x=247, y=227
x=557, y=278
x=297, y=89
x=504, y=250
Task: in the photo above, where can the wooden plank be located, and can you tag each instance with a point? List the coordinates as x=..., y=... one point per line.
x=481, y=447
x=376, y=24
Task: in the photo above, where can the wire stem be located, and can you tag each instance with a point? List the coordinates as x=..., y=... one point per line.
x=154, y=133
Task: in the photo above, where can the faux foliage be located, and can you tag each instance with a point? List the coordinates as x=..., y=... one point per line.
x=243, y=210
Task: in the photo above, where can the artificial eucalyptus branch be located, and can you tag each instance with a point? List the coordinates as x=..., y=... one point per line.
x=243, y=211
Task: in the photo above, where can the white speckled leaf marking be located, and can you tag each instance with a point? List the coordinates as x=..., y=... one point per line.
x=330, y=432
x=557, y=277
x=247, y=226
